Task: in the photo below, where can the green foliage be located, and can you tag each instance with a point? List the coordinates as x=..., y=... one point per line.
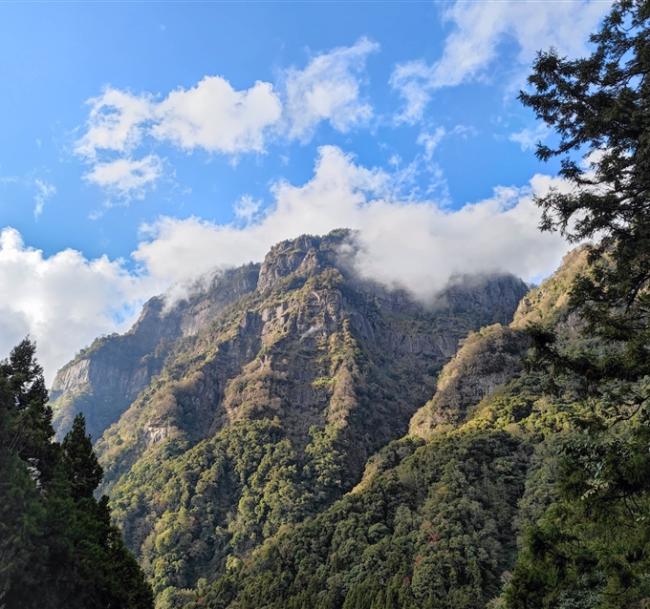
x=601, y=105
x=591, y=546
x=58, y=547
x=82, y=468
x=187, y=513
x=434, y=532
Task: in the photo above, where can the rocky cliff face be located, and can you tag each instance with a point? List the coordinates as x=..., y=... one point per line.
x=487, y=360
x=259, y=400
x=107, y=376
x=437, y=518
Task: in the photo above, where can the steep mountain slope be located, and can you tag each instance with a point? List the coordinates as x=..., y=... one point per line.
x=494, y=355
x=486, y=360
x=266, y=411
x=107, y=376
x=435, y=521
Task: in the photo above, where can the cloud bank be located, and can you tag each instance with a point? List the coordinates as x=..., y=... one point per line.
x=65, y=300
x=417, y=245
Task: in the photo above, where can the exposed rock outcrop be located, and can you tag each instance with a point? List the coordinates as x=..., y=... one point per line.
x=107, y=376
x=486, y=360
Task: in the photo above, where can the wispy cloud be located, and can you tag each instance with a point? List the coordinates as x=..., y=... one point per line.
x=115, y=123
x=246, y=209
x=477, y=31
x=40, y=189
x=44, y=191
x=430, y=140
x=126, y=177
x=528, y=138
x=328, y=89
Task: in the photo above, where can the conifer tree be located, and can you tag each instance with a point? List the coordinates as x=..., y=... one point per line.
x=599, y=106
x=58, y=547
x=83, y=469
x=591, y=549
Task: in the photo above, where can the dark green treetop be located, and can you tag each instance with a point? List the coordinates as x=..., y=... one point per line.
x=599, y=106
x=83, y=469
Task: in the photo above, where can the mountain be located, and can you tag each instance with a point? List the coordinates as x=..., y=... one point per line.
x=256, y=402
x=440, y=516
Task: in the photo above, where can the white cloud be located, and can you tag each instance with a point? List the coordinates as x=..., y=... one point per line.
x=127, y=177
x=479, y=28
x=116, y=123
x=328, y=89
x=211, y=116
x=247, y=208
x=217, y=118
x=65, y=300
x=44, y=191
x=430, y=140
x=41, y=189
x=529, y=138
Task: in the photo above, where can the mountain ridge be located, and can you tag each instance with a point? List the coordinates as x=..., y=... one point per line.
x=440, y=515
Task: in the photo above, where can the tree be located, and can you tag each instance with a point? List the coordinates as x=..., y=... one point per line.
x=599, y=107
x=23, y=406
x=58, y=547
x=592, y=546
x=83, y=469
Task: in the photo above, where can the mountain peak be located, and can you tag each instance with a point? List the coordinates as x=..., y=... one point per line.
x=301, y=257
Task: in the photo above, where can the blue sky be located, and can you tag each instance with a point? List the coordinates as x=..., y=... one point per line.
x=145, y=142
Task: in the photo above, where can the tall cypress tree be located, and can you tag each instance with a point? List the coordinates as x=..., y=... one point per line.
x=82, y=467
